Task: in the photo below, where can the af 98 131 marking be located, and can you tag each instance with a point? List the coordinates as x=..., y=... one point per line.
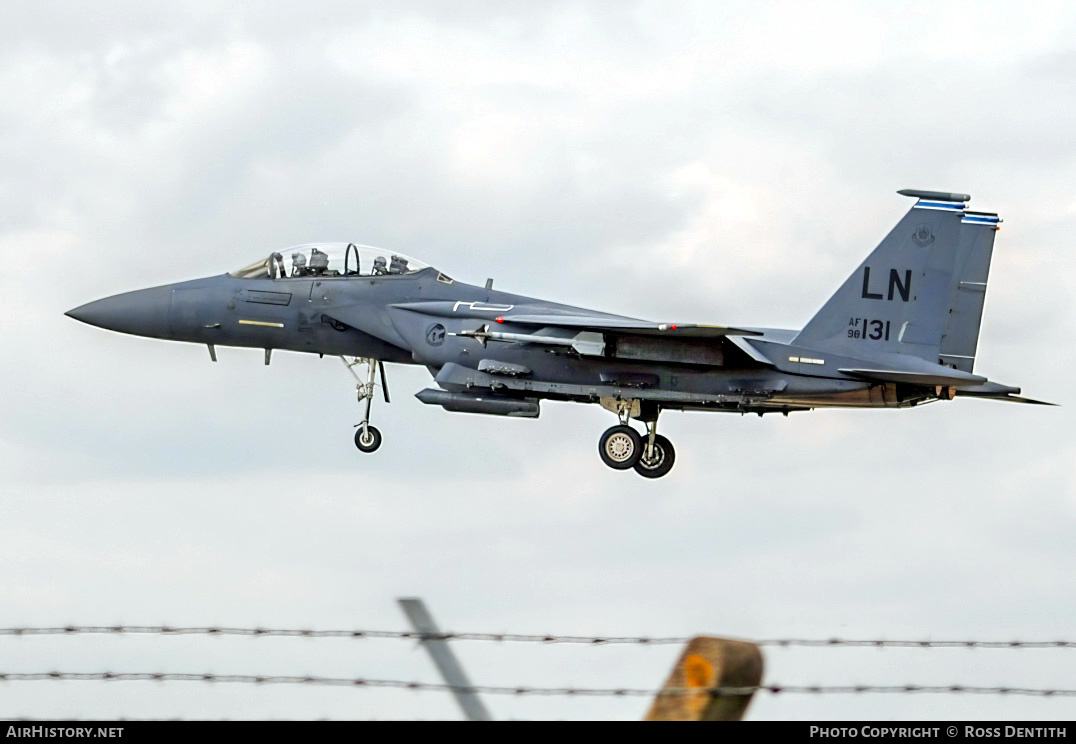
x=868, y=329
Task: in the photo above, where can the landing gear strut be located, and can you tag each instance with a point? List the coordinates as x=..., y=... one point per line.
x=621, y=447
x=657, y=457
x=367, y=437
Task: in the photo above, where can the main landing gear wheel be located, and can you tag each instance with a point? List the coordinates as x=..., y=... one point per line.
x=620, y=447
x=367, y=438
x=660, y=461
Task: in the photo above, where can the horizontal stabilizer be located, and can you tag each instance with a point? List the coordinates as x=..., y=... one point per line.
x=997, y=391
x=939, y=376
x=988, y=389
x=1011, y=399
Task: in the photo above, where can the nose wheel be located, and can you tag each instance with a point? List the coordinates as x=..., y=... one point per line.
x=622, y=448
x=367, y=437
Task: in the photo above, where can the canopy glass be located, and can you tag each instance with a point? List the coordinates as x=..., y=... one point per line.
x=330, y=260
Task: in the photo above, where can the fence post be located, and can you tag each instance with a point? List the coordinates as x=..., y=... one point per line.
x=445, y=661
x=708, y=663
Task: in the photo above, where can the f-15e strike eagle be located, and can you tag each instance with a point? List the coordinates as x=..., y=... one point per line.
x=901, y=331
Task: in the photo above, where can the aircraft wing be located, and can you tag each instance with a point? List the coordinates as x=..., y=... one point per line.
x=966, y=384
x=612, y=324
x=578, y=321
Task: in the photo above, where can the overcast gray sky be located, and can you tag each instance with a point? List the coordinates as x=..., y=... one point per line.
x=723, y=164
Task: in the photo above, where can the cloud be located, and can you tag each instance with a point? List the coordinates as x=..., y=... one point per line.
x=689, y=162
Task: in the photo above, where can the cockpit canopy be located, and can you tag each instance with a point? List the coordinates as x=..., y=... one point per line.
x=330, y=260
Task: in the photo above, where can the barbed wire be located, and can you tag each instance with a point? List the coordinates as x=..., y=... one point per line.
x=523, y=691
x=544, y=638
x=882, y=643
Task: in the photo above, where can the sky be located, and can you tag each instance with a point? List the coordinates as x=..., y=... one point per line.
x=718, y=163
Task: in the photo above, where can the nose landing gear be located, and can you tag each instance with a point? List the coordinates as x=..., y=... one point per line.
x=622, y=448
x=367, y=438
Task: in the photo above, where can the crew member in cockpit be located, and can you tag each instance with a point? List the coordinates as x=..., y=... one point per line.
x=298, y=264
x=380, y=266
x=319, y=262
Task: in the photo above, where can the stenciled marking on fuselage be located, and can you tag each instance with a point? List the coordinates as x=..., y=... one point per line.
x=868, y=329
x=904, y=289
x=264, y=323
x=482, y=307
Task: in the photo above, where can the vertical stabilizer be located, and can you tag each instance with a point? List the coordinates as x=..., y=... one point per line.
x=920, y=292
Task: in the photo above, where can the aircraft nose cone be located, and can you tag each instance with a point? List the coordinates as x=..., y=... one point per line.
x=143, y=312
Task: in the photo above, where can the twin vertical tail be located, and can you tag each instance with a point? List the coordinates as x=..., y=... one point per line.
x=920, y=292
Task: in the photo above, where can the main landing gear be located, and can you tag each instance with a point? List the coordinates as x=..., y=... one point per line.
x=367, y=437
x=622, y=448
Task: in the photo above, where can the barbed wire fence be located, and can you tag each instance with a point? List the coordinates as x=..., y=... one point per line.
x=525, y=691
x=524, y=638
x=546, y=638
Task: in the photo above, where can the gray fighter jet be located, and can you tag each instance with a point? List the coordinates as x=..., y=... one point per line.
x=900, y=332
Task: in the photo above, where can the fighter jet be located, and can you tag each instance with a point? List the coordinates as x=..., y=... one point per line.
x=900, y=332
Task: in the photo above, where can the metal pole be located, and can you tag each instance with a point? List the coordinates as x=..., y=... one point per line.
x=447, y=664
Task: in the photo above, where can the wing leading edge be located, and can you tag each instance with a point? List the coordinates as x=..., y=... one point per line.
x=626, y=325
